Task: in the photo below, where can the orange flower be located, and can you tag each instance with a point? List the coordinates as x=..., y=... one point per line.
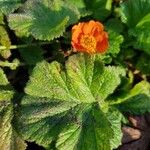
x=89, y=37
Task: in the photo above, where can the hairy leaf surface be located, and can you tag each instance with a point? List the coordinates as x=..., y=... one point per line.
x=9, y=138
x=67, y=104
x=45, y=20
x=84, y=79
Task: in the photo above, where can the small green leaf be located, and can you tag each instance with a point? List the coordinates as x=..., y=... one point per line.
x=44, y=20
x=115, y=40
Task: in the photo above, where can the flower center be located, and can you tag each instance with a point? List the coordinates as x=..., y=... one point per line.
x=88, y=42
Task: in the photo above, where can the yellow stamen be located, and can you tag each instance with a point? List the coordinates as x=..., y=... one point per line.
x=89, y=43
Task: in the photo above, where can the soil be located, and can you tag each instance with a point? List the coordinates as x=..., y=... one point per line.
x=136, y=136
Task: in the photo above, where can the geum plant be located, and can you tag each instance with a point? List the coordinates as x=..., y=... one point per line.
x=80, y=103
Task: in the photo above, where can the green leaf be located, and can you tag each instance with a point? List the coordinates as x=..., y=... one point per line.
x=133, y=12
x=45, y=20
x=137, y=16
x=81, y=6
x=94, y=124
x=21, y=23
x=115, y=117
x=1, y=19
x=9, y=6
x=137, y=101
x=4, y=41
x=3, y=79
x=9, y=138
x=100, y=8
x=74, y=84
x=142, y=36
x=73, y=125
x=115, y=25
x=32, y=55
x=68, y=105
x=6, y=91
x=115, y=40
x=143, y=64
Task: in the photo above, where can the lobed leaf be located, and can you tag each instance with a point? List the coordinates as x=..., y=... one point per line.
x=45, y=20
x=84, y=79
x=68, y=104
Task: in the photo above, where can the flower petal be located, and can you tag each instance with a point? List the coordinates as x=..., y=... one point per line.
x=88, y=27
x=76, y=31
x=103, y=45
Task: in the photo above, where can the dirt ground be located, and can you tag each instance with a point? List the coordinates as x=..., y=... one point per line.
x=136, y=136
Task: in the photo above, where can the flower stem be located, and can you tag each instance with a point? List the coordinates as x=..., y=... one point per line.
x=23, y=45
